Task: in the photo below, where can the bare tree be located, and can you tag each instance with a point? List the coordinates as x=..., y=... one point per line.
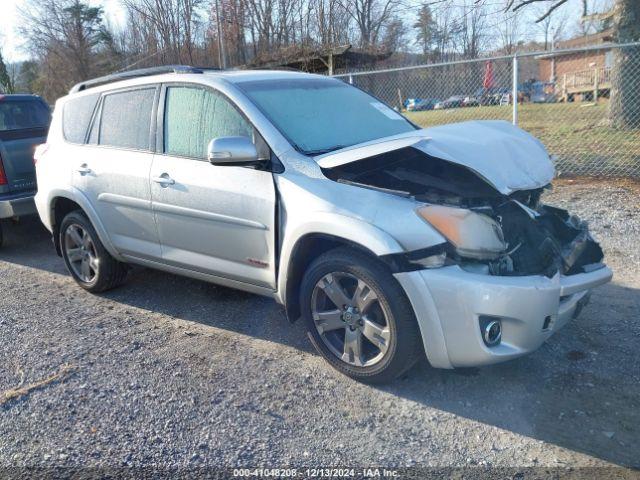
x=371, y=16
x=169, y=28
x=509, y=32
x=551, y=26
x=232, y=30
x=261, y=18
x=330, y=22
x=444, y=32
x=471, y=31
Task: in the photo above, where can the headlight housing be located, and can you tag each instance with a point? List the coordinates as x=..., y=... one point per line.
x=473, y=235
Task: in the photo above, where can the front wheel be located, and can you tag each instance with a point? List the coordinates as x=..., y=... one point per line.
x=89, y=263
x=358, y=317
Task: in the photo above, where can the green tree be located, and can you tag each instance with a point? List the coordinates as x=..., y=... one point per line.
x=69, y=40
x=393, y=39
x=6, y=84
x=425, y=26
x=28, y=77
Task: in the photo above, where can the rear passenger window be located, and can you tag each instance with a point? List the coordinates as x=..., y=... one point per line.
x=76, y=117
x=195, y=116
x=126, y=119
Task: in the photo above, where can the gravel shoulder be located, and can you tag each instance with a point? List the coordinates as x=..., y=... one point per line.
x=174, y=372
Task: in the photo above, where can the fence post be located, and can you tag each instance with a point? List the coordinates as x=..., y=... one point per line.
x=514, y=91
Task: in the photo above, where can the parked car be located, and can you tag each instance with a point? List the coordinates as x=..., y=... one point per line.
x=451, y=102
x=505, y=99
x=420, y=104
x=470, y=101
x=24, y=120
x=388, y=240
x=492, y=96
x=543, y=92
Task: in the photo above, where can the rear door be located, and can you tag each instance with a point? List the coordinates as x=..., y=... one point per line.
x=213, y=219
x=113, y=169
x=24, y=121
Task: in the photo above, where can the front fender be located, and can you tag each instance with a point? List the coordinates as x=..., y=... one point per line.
x=335, y=225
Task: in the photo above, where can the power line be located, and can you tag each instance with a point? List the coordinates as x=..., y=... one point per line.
x=142, y=60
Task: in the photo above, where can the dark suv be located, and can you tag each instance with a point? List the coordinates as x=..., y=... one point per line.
x=24, y=122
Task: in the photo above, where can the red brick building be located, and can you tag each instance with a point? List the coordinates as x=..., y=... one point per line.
x=583, y=74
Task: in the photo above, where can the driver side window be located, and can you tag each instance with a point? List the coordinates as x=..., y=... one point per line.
x=194, y=116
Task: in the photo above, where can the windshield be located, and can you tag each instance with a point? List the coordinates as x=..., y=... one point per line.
x=319, y=115
x=22, y=114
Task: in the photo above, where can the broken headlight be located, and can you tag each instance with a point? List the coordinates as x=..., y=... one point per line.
x=473, y=235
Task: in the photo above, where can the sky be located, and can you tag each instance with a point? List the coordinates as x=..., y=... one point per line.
x=13, y=50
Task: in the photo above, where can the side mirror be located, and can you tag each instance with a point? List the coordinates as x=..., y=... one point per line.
x=232, y=151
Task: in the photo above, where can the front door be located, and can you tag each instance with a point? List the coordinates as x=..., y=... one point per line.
x=218, y=220
x=113, y=170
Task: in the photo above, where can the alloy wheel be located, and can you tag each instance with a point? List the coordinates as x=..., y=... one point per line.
x=350, y=319
x=81, y=253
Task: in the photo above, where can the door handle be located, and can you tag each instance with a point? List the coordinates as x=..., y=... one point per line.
x=84, y=169
x=164, y=180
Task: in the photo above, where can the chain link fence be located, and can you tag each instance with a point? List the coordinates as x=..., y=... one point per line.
x=583, y=104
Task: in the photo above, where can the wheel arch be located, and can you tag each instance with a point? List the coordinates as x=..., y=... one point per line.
x=61, y=203
x=312, y=239
x=305, y=251
x=60, y=208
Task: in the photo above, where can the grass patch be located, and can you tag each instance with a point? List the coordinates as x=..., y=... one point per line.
x=578, y=134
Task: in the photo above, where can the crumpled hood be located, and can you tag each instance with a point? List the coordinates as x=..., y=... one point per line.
x=507, y=157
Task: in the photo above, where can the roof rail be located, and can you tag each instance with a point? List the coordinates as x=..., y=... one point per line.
x=141, y=72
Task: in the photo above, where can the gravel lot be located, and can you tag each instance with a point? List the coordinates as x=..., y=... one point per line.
x=174, y=372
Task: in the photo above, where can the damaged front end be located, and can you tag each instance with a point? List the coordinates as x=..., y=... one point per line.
x=487, y=231
x=544, y=240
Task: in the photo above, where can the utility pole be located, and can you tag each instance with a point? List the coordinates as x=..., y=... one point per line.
x=221, y=56
x=514, y=89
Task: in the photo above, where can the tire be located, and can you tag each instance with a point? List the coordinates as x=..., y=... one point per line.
x=104, y=271
x=380, y=316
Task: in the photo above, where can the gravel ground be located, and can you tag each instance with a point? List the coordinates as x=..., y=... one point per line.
x=172, y=372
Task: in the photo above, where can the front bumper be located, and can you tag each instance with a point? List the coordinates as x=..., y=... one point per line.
x=448, y=302
x=17, y=205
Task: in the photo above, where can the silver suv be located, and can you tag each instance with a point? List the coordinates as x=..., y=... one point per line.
x=388, y=240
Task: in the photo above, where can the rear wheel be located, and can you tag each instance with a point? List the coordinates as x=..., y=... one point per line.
x=89, y=263
x=358, y=316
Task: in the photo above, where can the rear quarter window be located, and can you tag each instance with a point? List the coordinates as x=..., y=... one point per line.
x=76, y=117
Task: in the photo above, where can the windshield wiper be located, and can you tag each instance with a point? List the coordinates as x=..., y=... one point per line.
x=322, y=151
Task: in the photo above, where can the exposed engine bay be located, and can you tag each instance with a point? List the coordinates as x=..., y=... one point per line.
x=534, y=238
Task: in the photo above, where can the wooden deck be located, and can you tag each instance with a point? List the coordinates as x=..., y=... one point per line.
x=594, y=81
